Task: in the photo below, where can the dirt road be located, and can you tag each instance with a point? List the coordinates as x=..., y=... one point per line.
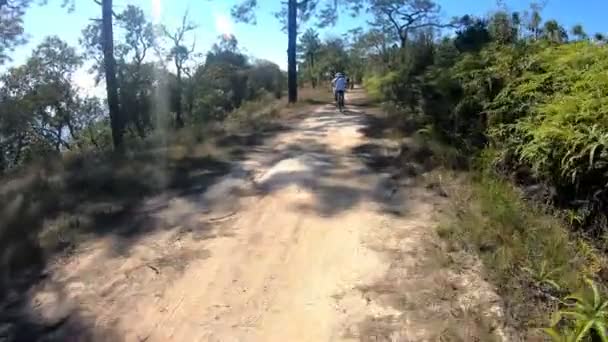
x=302, y=241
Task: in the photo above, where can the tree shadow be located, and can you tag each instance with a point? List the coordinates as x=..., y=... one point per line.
x=17, y=324
x=52, y=209
x=335, y=177
x=119, y=198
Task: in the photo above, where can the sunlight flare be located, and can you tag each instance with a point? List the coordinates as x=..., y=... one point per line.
x=223, y=25
x=156, y=10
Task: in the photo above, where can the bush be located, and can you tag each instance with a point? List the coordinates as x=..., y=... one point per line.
x=554, y=118
x=379, y=86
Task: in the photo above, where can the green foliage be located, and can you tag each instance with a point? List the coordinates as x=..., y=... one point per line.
x=377, y=85
x=542, y=274
x=502, y=29
x=552, y=118
x=512, y=91
x=585, y=316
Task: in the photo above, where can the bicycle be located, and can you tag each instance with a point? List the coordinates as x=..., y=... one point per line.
x=340, y=101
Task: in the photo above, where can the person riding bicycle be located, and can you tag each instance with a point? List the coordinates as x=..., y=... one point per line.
x=339, y=85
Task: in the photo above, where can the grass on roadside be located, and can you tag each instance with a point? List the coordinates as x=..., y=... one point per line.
x=528, y=252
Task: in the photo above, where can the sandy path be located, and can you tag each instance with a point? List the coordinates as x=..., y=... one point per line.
x=302, y=242
x=298, y=243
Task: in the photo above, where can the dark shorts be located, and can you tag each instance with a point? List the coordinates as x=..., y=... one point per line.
x=338, y=92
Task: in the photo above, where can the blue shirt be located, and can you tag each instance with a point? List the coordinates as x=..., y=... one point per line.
x=339, y=84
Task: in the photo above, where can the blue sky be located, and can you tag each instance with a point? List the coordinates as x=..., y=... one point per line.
x=265, y=40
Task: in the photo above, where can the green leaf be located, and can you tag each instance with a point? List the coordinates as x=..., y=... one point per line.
x=596, y=293
x=600, y=328
x=584, y=331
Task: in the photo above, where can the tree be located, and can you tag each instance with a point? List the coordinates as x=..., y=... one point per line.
x=501, y=28
x=265, y=76
x=52, y=66
x=42, y=111
x=516, y=21
x=534, y=19
x=333, y=56
x=180, y=54
x=139, y=33
x=406, y=16
x=554, y=32
x=579, y=32
x=109, y=63
x=292, y=36
x=98, y=39
x=599, y=37
x=309, y=47
x=375, y=44
x=135, y=77
x=221, y=84
x=473, y=35
x=11, y=26
x=292, y=13
x=12, y=33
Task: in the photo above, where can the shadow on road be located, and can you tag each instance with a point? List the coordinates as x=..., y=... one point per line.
x=119, y=200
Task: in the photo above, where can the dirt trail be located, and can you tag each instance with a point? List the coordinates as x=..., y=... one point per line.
x=301, y=242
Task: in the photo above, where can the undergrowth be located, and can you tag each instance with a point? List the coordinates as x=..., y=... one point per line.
x=529, y=253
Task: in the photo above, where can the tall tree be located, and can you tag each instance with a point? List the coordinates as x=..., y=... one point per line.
x=292, y=36
x=473, y=35
x=579, y=32
x=501, y=28
x=309, y=48
x=535, y=20
x=291, y=14
x=180, y=53
x=554, y=32
x=136, y=77
x=107, y=43
x=406, y=16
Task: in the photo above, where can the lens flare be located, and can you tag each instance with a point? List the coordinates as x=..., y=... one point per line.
x=223, y=25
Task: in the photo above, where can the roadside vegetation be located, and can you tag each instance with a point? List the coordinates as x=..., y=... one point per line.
x=523, y=99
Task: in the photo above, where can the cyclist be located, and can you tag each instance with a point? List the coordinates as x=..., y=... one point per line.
x=339, y=85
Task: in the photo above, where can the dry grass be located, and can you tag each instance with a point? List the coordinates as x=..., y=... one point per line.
x=528, y=253
x=319, y=95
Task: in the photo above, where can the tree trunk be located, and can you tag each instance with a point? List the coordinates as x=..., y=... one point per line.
x=110, y=71
x=58, y=142
x=18, y=151
x=292, y=36
x=311, y=74
x=403, y=38
x=179, y=121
